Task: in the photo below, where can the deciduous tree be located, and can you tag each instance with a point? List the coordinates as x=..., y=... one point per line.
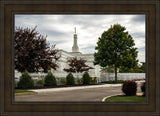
x=32, y=52
x=116, y=48
x=77, y=65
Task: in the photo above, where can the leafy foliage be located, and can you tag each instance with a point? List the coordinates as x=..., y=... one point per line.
x=80, y=80
x=136, y=69
x=93, y=80
x=108, y=69
x=63, y=81
x=115, y=48
x=86, y=78
x=70, y=79
x=26, y=81
x=129, y=88
x=50, y=80
x=77, y=65
x=40, y=82
x=32, y=53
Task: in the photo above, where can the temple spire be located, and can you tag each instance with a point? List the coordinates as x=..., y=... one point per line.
x=75, y=29
x=75, y=45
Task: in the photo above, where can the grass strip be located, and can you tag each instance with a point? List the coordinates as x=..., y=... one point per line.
x=125, y=99
x=22, y=91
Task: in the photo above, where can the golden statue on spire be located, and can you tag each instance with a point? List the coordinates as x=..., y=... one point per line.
x=75, y=29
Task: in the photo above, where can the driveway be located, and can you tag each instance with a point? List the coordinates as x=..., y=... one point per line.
x=86, y=94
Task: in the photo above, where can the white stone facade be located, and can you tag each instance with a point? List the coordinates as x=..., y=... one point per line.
x=62, y=63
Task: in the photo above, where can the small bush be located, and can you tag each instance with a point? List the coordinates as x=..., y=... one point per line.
x=143, y=88
x=86, y=78
x=129, y=88
x=80, y=80
x=40, y=82
x=63, y=81
x=70, y=79
x=50, y=80
x=93, y=80
x=26, y=81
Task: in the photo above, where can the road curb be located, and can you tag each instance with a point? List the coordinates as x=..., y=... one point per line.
x=103, y=100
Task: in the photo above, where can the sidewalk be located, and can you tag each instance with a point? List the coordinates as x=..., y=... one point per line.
x=72, y=88
x=76, y=88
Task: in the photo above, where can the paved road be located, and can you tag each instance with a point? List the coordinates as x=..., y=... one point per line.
x=89, y=94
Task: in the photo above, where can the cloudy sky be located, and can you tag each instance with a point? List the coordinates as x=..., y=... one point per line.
x=60, y=29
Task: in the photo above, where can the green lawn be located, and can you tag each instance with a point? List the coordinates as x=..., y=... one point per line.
x=21, y=91
x=125, y=99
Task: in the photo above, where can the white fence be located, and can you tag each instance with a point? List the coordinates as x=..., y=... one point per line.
x=121, y=76
x=37, y=76
x=103, y=76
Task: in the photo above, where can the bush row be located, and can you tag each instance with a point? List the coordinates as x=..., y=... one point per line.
x=27, y=82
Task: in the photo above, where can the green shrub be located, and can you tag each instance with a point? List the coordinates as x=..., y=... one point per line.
x=50, y=80
x=70, y=79
x=93, y=80
x=129, y=88
x=26, y=81
x=63, y=81
x=80, y=80
x=86, y=78
x=40, y=82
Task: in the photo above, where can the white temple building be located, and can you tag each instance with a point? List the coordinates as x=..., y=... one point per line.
x=95, y=72
x=62, y=62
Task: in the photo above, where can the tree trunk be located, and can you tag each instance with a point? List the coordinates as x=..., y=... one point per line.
x=116, y=74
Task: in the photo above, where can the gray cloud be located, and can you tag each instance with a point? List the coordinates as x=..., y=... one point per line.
x=139, y=18
x=141, y=49
x=52, y=32
x=138, y=35
x=60, y=28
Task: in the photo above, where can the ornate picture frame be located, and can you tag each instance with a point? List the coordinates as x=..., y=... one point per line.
x=149, y=7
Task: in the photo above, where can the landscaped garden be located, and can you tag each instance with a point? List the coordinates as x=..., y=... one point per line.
x=49, y=81
x=129, y=88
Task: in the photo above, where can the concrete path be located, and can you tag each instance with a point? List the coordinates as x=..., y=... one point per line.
x=81, y=95
x=39, y=91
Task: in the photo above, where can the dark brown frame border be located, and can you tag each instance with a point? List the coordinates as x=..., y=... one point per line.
x=149, y=7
